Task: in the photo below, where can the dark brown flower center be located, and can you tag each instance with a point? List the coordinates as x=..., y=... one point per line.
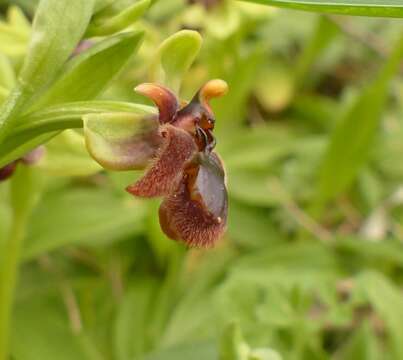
x=206, y=186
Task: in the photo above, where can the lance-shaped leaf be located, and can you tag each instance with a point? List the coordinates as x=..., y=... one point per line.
x=57, y=28
x=196, y=211
x=122, y=141
x=119, y=21
x=40, y=126
x=166, y=170
x=87, y=75
x=351, y=141
x=176, y=54
x=384, y=8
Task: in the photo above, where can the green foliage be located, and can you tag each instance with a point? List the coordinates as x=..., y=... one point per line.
x=175, y=56
x=106, y=26
x=56, y=30
x=79, y=83
x=353, y=137
x=40, y=126
x=388, y=8
x=310, y=134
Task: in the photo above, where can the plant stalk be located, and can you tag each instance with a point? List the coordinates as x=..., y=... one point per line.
x=23, y=196
x=9, y=278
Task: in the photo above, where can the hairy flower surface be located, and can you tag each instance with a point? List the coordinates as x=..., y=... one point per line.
x=181, y=164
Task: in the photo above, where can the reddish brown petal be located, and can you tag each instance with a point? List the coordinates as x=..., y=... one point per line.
x=7, y=171
x=196, y=213
x=163, y=98
x=167, y=167
x=198, y=112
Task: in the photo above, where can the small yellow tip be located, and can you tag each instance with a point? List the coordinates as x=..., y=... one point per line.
x=214, y=88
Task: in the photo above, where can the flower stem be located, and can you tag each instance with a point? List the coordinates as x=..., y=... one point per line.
x=8, y=280
x=23, y=196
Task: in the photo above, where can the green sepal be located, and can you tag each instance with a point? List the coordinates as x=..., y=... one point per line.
x=175, y=56
x=122, y=141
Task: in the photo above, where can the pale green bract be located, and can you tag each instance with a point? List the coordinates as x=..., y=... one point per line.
x=121, y=141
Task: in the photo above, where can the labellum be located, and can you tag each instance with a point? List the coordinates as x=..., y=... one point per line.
x=196, y=211
x=182, y=166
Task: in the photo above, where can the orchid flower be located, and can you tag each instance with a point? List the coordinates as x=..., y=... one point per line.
x=176, y=147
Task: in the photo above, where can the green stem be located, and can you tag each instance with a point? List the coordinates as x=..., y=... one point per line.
x=8, y=279
x=23, y=195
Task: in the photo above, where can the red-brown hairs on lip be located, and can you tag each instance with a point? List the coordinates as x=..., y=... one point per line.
x=166, y=169
x=196, y=211
x=187, y=220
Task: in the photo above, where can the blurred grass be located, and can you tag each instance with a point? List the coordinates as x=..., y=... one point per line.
x=100, y=281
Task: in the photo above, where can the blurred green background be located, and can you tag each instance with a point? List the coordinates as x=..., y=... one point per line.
x=311, y=266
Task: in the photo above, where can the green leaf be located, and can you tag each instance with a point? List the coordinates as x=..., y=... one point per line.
x=325, y=31
x=388, y=303
x=119, y=21
x=17, y=18
x=41, y=331
x=87, y=75
x=14, y=34
x=57, y=28
x=26, y=146
x=132, y=320
x=66, y=155
x=176, y=54
x=351, y=141
x=40, y=126
x=384, y=8
x=98, y=217
x=121, y=141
